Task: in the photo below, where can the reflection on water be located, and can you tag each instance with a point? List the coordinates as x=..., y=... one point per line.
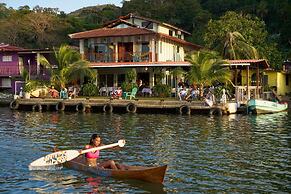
x=236, y=153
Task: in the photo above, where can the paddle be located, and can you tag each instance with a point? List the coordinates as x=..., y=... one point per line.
x=67, y=155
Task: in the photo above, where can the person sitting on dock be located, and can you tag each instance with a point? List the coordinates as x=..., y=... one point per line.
x=182, y=94
x=210, y=98
x=74, y=91
x=64, y=93
x=117, y=94
x=53, y=92
x=92, y=157
x=194, y=93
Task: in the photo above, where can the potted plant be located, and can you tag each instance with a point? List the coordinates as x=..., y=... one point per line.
x=27, y=89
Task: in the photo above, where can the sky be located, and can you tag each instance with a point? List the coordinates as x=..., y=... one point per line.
x=64, y=5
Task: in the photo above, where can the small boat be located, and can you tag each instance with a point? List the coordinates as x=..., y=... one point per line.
x=258, y=106
x=148, y=174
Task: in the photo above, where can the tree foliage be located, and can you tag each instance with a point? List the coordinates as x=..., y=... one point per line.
x=249, y=34
x=69, y=67
x=207, y=68
x=236, y=47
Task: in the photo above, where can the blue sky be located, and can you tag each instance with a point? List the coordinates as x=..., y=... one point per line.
x=64, y=5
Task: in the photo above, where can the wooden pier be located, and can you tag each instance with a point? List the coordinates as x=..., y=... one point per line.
x=116, y=105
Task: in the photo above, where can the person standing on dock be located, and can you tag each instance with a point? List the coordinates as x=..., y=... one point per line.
x=21, y=92
x=223, y=97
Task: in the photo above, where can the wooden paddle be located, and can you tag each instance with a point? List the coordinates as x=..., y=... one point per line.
x=67, y=155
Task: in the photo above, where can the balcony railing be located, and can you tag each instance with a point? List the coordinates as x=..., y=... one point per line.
x=8, y=70
x=120, y=57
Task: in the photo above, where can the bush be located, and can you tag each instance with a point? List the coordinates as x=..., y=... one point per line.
x=31, y=85
x=89, y=90
x=127, y=87
x=162, y=90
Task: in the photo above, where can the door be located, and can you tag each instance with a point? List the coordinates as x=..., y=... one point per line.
x=125, y=51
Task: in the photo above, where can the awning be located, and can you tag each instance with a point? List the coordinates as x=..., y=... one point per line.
x=140, y=64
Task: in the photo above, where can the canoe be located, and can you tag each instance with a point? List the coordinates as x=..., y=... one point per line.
x=258, y=106
x=148, y=174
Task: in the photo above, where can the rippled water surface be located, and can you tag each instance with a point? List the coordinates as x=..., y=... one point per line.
x=232, y=154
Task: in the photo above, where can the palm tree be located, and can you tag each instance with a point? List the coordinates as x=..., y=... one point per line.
x=236, y=47
x=207, y=68
x=69, y=66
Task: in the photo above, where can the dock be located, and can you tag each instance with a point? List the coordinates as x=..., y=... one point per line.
x=116, y=105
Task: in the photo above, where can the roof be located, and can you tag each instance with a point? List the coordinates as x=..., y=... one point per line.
x=196, y=46
x=109, y=32
x=131, y=15
x=241, y=62
x=9, y=48
x=117, y=22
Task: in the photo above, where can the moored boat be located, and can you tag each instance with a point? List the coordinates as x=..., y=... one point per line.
x=258, y=106
x=148, y=174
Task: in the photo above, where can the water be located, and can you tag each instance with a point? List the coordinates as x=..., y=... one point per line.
x=209, y=154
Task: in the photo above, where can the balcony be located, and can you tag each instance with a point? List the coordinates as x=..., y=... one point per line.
x=9, y=70
x=119, y=57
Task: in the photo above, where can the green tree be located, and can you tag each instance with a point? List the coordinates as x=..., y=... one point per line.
x=236, y=47
x=4, y=12
x=206, y=69
x=250, y=27
x=69, y=66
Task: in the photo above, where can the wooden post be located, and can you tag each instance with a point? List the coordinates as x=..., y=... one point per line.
x=82, y=49
x=248, y=75
x=235, y=76
x=258, y=79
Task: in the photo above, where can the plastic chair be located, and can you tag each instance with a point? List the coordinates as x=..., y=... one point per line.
x=131, y=94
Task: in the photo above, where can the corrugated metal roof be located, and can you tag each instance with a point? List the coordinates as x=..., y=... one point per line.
x=262, y=62
x=7, y=47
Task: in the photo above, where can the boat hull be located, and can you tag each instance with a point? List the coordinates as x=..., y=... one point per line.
x=264, y=106
x=148, y=174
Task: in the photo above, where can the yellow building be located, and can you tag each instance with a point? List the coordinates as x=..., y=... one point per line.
x=247, y=72
x=279, y=80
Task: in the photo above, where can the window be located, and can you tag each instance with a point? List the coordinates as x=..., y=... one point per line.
x=287, y=80
x=106, y=80
x=100, y=48
x=7, y=58
x=178, y=49
x=145, y=47
x=161, y=47
x=265, y=80
x=147, y=24
x=170, y=32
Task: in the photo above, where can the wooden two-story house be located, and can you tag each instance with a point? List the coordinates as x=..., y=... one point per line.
x=135, y=42
x=13, y=60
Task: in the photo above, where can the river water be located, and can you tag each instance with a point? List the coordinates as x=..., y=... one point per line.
x=205, y=154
